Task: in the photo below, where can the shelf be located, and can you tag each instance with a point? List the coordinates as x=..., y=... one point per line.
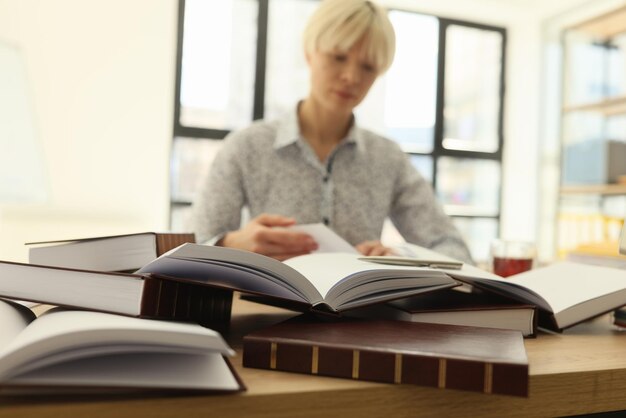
x=605, y=26
x=610, y=107
x=599, y=189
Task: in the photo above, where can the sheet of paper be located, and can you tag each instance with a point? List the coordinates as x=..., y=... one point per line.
x=327, y=239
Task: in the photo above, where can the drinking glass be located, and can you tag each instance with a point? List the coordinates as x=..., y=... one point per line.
x=512, y=257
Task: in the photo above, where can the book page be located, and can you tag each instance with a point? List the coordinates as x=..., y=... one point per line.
x=202, y=263
x=329, y=270
x=561, y=285
x=14, y=318
x=45, y=340
x=116, y=253
x=327, y=240
x=146, y=370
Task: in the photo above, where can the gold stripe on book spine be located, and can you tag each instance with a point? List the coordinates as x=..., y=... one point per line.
x=442, y=373
x=355, y=364
x=397, y=374
x=488, y=378
x=273, y=348
x=315, y=359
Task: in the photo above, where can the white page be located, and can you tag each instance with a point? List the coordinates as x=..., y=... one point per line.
x=49, y=334
x=324, y=270
x=119, y=253
x=13, y=320
x=199, y=270
x=146, y=370
x=327, y=240
x=96, y=290
x=566, y=284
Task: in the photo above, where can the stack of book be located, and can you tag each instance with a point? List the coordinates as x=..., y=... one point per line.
x=413, y=325
x=104, y=344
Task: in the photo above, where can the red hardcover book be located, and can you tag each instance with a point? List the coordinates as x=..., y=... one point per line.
x=444, y=356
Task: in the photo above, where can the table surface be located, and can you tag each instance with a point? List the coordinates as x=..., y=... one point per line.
x=580, y=371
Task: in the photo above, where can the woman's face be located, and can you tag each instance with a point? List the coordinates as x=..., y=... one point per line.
x=341, y=80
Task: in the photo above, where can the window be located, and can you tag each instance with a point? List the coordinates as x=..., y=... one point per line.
x=441, y=100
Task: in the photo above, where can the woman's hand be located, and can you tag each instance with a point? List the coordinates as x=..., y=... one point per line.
x=373, y=248
x=262, y=236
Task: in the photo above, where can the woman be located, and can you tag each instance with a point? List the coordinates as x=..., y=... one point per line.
x=317, y=165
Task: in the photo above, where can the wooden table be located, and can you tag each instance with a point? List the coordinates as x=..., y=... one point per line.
x=581, y=371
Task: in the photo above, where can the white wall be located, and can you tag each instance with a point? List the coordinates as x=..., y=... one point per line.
x=102, y=79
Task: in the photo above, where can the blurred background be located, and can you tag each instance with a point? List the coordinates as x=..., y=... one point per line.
x=112, y=111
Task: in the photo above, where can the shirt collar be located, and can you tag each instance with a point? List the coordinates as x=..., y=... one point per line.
x=289, y=131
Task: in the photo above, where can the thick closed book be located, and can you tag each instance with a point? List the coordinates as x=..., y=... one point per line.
x=323, y=282
x=566, y=293
x=453, y=307
x=112, y=253
x=126, y=294
x=81, y=350
x=444, y=356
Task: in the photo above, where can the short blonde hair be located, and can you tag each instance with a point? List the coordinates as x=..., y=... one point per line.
x=339, y=24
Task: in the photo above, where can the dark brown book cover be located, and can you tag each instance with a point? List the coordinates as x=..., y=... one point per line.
x=166, y=298
x=444, y=356
x=167, y=241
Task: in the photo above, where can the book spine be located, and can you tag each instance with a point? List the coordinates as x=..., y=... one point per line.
x=171, y=299
x=386, y=367
x=166, y=242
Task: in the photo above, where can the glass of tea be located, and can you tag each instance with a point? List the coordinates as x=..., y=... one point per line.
x=512, y=257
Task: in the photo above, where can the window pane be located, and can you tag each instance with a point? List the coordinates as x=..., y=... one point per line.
x=478, y=234
x=594, y=71
x=287, y=74
x=423, y=164
x=469, y=186
x=191, y=159
x=218, y=64
x=401, y=105
x=472, y=89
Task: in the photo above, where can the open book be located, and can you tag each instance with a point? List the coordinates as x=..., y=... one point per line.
x=327, y=282
x=77, y=350
x=566, y=293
